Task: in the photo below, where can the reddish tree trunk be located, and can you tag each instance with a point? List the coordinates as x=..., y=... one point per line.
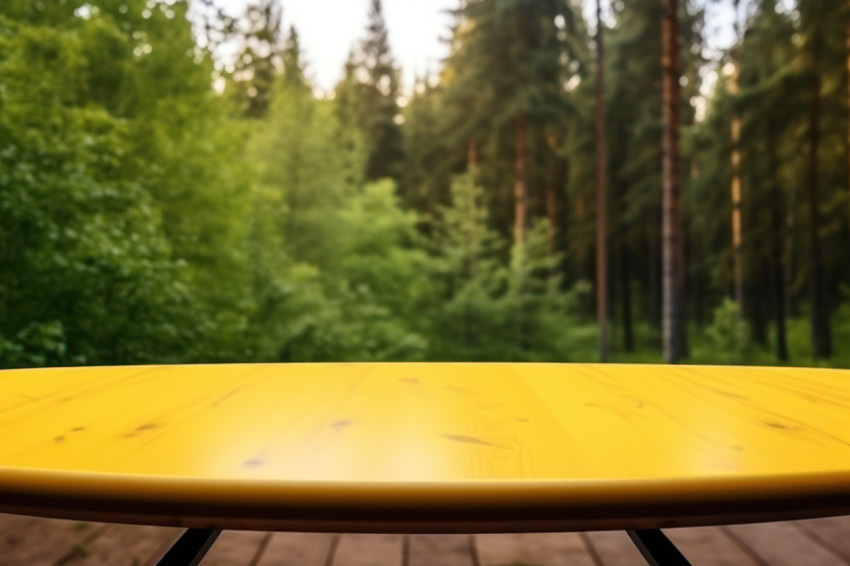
x=471, y=153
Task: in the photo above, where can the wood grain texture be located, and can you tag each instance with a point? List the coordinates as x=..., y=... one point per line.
x=425, y=447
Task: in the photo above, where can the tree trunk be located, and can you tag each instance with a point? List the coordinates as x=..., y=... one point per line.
x=759, y=305
x=551, y=193
x=520, y=215
x=471, y=153
x=601, y=197
x=655, y=291
x=673, y=316
x=626, y=290
x=737, y=260
x=520, y=188
x=847, y=95
x=778, y=269
x=821, y=335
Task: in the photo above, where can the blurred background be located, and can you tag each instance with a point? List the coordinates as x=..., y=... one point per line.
x=529, y=180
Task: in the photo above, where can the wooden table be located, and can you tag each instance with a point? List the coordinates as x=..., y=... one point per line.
x=425, y=448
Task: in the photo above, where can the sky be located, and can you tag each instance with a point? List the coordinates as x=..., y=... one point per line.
x=329, y=28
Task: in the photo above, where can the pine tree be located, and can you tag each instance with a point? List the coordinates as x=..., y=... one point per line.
x=517, y=49
x=813, y=21
x=767, y=120
x=348, y=109
x=675, y=339
x=259, y=60
x=293, y=66
x=378, y=105
x=601, y=195
x=635, y=133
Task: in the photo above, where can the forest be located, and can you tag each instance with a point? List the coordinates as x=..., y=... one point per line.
x=562, y=189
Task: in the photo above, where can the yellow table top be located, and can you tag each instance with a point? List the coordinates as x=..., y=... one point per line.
x=425, y=447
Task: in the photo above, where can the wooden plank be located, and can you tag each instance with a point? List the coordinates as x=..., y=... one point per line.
x=614, y=548
x=236, y=548
x=12, y=525
x=783, y=544
x=48, y=542
x=833, y=532
x=441, y=550
x=166, y=545
x=11, y=522
x=549, y=549
x=709, y=546
x=296, y=549
x=369, y=550
x=124, y=544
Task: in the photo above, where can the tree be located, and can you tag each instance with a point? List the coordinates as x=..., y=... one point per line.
x=736, y=169
x=675, y=337
x=518, y=49
x=601, y=195
x=293, y=66
x=768, y=118
x=348, y=109
x=378, y=94
x=109, y=128
x=635, y=134
x=814, y=17
x=259, y=59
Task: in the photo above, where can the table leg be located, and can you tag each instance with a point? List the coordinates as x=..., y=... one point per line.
x=190, y=548
x=657, y=549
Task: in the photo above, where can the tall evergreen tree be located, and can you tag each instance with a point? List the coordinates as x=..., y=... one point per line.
x=673, y=262
x=767, y=118
x=293, y=66
x=348, y=109
x=259, y=59
x=737, y=260
x=813, y=21
x=601, y=195
x=517, y=49
x=378, y=105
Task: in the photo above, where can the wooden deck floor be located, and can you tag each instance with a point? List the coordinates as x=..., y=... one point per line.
x=28, y=541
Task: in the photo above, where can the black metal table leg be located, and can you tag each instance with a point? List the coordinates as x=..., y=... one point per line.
x=657, y=549
x=190, y=548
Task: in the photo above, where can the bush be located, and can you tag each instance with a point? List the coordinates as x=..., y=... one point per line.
x=730, y=334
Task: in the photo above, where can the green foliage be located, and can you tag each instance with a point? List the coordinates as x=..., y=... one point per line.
x=491, y=310
x=148, y=217
x=254, y=72
x=368, y=99
x=729, y=334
